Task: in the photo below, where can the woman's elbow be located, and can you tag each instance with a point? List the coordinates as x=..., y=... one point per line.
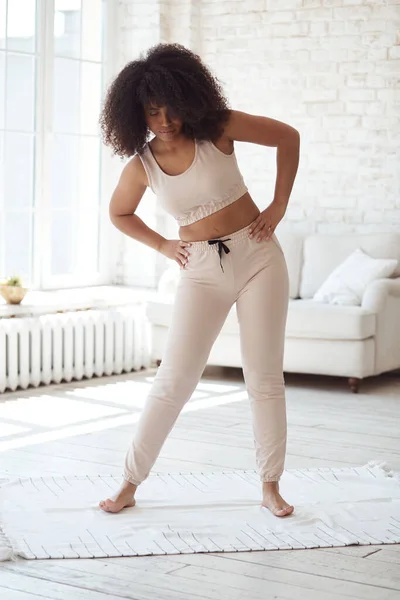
x=295, y=136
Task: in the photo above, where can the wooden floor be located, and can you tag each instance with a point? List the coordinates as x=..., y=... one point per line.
x=85, y=427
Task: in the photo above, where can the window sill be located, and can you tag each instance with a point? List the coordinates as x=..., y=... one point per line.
x=40, y=303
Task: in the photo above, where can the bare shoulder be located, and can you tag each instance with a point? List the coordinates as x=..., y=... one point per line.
x=258, y=129
x=134, y=172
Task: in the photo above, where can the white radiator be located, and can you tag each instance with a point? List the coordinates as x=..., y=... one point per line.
x=65, y=346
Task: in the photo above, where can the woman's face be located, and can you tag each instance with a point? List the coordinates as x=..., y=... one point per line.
x=162, y=122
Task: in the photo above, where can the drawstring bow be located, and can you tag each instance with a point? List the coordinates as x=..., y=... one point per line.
x=221, y=246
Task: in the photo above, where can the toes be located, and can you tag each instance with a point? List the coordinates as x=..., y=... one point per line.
x=278, y=512
x=104, y=505
x=113, y=506
x=284, y=512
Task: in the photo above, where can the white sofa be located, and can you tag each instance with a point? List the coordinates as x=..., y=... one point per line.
x=346, y=341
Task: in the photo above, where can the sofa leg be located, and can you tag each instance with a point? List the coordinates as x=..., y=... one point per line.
x=354, y=384
x=158, y=363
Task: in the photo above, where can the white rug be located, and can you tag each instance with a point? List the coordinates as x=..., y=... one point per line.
x=58, y=517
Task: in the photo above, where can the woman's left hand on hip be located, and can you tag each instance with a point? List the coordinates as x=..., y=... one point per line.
x=264, y=226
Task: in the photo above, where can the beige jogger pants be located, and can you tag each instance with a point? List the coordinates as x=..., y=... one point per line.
x=254, y=275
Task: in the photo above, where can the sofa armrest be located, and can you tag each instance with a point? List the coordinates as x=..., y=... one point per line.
x=382, y=297
x=377, y=292
x=168, y=283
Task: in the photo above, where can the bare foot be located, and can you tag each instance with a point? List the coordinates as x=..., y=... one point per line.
x=274, y=501
x=124, y=498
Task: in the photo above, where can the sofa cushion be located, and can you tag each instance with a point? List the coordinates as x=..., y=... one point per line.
x=308, y=319
x=292, y=246
x=159, y=312
x=347, y=283
x=323, y=253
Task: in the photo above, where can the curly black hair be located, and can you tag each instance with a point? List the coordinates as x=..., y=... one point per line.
x=168, y=75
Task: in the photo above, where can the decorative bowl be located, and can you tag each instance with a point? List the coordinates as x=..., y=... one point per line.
x=13, y=294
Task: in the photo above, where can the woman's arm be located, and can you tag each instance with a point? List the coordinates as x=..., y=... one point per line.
x=124, y=202
x=269, y=132
x=243, y=127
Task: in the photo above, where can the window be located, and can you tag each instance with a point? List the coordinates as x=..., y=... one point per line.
x=53, y=231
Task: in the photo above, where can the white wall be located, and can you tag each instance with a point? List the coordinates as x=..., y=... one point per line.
x=331, y=68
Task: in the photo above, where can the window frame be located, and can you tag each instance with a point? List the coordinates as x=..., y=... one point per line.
x=109, y=240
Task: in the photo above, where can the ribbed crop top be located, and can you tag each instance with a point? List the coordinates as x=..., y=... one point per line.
x=212, y=182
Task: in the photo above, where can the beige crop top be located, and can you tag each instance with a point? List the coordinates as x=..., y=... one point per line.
x=212, y=182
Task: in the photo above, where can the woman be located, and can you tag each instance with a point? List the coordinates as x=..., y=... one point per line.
x=227, y=249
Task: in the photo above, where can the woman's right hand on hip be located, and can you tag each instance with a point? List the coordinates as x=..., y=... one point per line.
x=176, y=250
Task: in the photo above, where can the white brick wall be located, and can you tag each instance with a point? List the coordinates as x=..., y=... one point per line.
x=331, y=68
